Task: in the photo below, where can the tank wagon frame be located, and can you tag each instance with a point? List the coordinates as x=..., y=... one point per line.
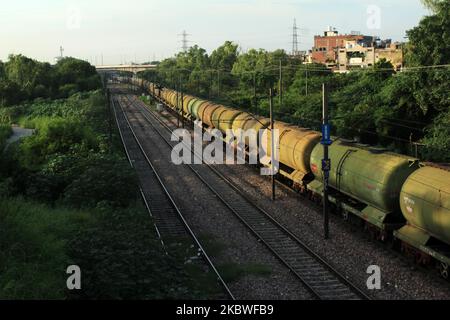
x=366, y=183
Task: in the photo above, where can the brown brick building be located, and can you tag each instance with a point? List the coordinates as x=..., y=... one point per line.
x=326, y=47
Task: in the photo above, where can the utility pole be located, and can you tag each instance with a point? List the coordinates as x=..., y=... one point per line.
x=280, y=94
x=254, y=93
x=272, y=144
x=210, y=84
x=218, y=83
x=108, y=104
x=326, y=162
x=182, y=102
x=306, y=72
x=178, y=106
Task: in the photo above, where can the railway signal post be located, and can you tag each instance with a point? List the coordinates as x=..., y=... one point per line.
x=326, y=162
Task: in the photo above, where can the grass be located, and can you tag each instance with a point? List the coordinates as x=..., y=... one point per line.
x=33, y=257
x=213, y=247
x=232, y=272
x=201, y=277
x=113, y=241
x=34, y=123
x=204, y=281
x=149, y=102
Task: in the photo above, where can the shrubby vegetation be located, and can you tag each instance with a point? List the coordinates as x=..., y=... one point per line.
x=70, y=197
x=33, y=250
x=25, y=79
x=114, y=247
x=5, y=132
x=377, y=106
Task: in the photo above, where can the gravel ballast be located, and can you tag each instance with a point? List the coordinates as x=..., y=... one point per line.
x=349, y=250
x=207, y=215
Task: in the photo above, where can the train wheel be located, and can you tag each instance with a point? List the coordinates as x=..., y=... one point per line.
x=394, y=244
x=345, y=215
x=443, y=269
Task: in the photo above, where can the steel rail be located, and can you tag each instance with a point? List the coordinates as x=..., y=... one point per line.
x=176, y=208
x=298, y=258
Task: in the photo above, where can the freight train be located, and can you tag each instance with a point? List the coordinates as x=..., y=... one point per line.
x=396, y=197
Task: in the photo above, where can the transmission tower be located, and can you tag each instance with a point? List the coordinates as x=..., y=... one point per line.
x=184, y=41
x=295, y=39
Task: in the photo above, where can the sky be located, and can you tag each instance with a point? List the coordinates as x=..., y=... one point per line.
x=118, y=31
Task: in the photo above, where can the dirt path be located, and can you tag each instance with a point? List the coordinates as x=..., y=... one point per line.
x=18, y=133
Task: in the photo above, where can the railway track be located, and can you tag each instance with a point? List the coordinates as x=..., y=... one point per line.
x=169, y=221
x=323, y=280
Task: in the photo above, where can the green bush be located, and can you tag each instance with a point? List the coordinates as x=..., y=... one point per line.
x=55, y=135
x=437, y=139
x=33, y=249
x=107, y=180
x=121, y=260
x=68, y=89
x=5, y=132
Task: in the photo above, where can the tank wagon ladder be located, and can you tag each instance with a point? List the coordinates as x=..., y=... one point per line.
x=322, y=279
x=169, y=221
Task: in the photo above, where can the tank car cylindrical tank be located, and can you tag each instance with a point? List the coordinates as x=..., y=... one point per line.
x=186, y=100
x=256, y=124
x=195, y=108
x=215, y=116
x=372, y=176
x=206, y=115
x=226, y=119
x=425, y=201
x=240, y=121
x=295, y=147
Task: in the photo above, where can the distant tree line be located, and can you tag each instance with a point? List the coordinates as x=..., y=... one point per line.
x=398, y=110
x=24, y=79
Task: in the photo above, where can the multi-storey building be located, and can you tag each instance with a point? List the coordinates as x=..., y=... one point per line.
x=356, y=55
x=326, y=47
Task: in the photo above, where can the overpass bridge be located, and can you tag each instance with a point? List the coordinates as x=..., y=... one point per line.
x=134, y=68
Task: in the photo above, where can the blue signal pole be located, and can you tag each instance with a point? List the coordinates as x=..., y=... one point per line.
x=326, y=162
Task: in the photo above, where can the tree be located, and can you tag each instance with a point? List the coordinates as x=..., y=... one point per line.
x=434, y=5
x=193, y=66
x=10, y=93
x=2, y=70
x=384, y=68
x=437, y=139
x=223, y=60
x=28, y=73
x=254, y=63
x=224, y=57
x=430, y=40
x=71, y=71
